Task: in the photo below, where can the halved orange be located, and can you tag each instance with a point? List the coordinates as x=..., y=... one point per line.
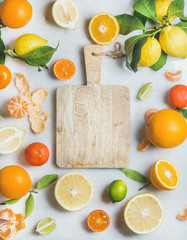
x=104, y=28
x=64, y=69
x=174, y=76
x=98, y=221
x=19, y=107
x=164, y=175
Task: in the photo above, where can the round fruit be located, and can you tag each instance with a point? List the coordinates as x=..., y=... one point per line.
x=117, y=191
x=164, y=175
x=27, y=43
x=150, y=52
x=98, y=221
x=37, y=154
x=166, y=129
x=64, y=69
x=173, y=41
x=178, y=96
x=15, y=13
x=5, y=76
x=162, y=10
x=15, y=182
x=144, y=213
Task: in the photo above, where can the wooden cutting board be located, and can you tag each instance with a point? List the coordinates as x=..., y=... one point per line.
x=93, y=121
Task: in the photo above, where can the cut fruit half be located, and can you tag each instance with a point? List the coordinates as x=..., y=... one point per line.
x=104, y=28
x=11, y=139
x=98, y=221
x=66, y=13
x=144, y=213
x=74, y=191
x=46, y=226
x=164, y=175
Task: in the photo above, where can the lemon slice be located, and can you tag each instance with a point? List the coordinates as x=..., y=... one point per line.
x=74, y=191
x=65, y=13
x=46, y=226
x=144, y=213
x=11, y=139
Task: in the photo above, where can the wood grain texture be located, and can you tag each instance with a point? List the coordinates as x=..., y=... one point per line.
x=93, y=121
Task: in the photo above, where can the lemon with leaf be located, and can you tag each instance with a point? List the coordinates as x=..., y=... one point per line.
x=162, y=10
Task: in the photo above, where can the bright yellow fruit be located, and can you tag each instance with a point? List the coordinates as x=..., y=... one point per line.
x=27, y=43
x=74, y=191
x=173, y=41
x=150, y=52
x=164, y=175
x=161, y=10
x=144, y=213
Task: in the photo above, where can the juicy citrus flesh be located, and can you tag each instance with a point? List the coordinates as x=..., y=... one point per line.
x=98, y=221
x=27, y=43
x=66, y=13
x=19, y=107
x=64, y=69
x=174, y=41
x=74, y=191
x=104, y=28
x=164, y=175
x=173, y=76
x=144, y=213
x=46, y=226
x=166, y=129
x=5, y=76
x=15, y=14
x=15, y=182
x=162, y=9
x=150, y=52
x=11, y=139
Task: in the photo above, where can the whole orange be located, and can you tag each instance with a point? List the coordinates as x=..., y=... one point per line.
x=15, y=182
x=5, y=76
x=37, y=154
x=166, y=129
x=15, y=13
x=177, y=96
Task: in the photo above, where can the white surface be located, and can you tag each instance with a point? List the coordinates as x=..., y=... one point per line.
x=72, y=225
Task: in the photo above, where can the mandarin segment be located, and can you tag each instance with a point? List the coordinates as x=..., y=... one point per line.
x=144, y=145
x=173, y=76
x=7, y=231
x=182, y=215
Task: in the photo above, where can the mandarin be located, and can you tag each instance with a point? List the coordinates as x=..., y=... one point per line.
x=5, y=76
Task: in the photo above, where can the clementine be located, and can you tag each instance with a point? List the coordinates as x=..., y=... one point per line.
x=5, y=76
x=177, y=96
x=15, y=182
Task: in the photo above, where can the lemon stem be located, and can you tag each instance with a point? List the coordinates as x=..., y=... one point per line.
x=149, y=183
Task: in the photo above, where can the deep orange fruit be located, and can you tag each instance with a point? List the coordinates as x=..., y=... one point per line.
x=15, y=13
x=15, y=182
x=5, y=76
x=98, y=221
x=64, y=69
x=177, y=96
x=37, y=154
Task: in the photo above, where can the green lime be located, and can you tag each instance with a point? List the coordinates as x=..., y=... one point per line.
x=46, y=225
x=117, y=191
x=145, y=91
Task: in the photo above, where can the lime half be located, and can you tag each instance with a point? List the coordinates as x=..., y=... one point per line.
x=145, y=91
x=46, y=226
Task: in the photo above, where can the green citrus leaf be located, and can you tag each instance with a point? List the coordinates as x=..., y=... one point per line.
x=46, y=180
x=2, y=54
x=176, y=8
x=10, y=202
x=160, y=63
x=147, y=8
x=182, y=25
x=29, y=205
x=141, y=17
x=129, y=24
x=183, y=111
x=134, y=175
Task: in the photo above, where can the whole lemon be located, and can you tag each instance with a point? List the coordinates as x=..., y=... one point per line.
x=173, y=41
x=27, y=43
x=166, y=129
x=150, y=52
x=162, y=9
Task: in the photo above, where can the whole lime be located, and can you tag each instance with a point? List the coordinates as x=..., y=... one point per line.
x=117, y=191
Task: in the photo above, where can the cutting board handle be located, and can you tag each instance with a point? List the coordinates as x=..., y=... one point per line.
x=93, y=64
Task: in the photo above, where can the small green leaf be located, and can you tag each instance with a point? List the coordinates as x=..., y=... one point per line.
x=2, y=54
x=147, y=8
x=182, y=25
x=46, y=180
x=141, y=17
x=10, y=202
x=183, y=111
x=176, y=8
x=129, y=24
x=29, y=205
x=134, y=175
x=160, y=63
x=137, y=53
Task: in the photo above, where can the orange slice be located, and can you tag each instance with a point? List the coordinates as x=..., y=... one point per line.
x=174, y=76
x=104, y=28
x=164, y=175
x=64, y=69
x=182, y=215
x=98, y=221
x=144, y=145
x=19, y=107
